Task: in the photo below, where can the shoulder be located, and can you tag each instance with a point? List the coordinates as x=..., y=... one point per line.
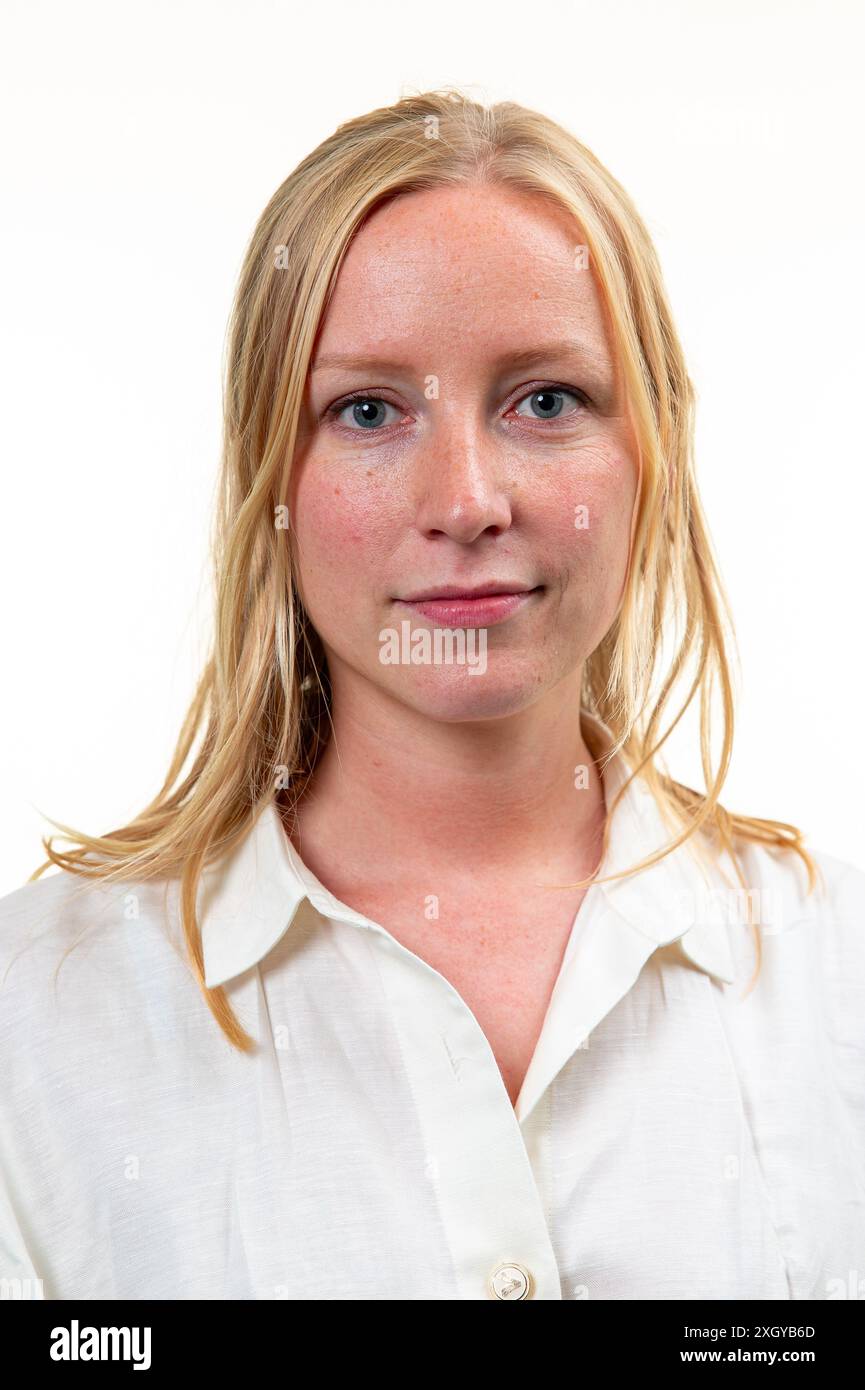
x=94, y=994
x=812, y=935
x=836, y=896
x=101, y=940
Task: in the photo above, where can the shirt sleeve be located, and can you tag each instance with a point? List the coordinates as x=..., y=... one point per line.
x=19, y=1279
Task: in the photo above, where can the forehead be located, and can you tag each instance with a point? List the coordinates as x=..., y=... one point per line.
x=471, y=268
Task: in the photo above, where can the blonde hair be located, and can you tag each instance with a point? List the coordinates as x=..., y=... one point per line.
x=262, y=704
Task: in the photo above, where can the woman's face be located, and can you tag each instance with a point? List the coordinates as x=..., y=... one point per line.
x=488, y=447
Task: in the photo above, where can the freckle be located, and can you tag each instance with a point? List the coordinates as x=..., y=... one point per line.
x=337, y=492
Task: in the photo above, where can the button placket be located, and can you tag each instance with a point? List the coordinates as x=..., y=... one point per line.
x=486, y=1186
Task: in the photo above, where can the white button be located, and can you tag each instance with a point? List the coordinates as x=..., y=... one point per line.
x=511, y=1281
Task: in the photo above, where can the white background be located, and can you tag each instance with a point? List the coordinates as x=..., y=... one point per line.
x=142, y=142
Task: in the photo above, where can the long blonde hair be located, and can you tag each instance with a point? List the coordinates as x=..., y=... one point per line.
x=262, y=705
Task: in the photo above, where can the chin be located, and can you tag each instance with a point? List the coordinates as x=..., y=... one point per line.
x=456, y=696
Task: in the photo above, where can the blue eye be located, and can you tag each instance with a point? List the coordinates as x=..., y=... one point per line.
x=367, y=412
x=548, y=400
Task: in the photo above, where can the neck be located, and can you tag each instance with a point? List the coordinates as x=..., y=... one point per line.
x=396, y=788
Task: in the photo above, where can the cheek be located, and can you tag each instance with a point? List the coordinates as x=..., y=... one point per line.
x=338, y=533
x=588, y=514
x=327, y=517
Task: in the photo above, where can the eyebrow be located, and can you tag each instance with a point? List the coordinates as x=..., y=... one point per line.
x=528, y=357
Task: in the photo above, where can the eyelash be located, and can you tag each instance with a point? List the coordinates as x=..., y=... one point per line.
x=333, y=412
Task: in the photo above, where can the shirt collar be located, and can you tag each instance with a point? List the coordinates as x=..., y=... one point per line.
x=250, y=897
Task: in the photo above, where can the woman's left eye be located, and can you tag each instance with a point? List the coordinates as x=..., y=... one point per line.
x=547, y=400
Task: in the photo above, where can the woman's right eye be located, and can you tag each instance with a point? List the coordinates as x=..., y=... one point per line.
x=367, y=412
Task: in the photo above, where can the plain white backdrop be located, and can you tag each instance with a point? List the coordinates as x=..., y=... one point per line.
x=142, y=141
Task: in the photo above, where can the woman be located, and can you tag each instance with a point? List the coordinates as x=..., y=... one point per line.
x=425, y=980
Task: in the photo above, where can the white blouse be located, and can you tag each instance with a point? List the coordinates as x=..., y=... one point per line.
x=673, y=1139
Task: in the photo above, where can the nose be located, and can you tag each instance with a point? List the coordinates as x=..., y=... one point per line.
x=460, y=484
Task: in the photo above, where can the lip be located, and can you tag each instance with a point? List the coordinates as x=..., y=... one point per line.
x=455, y=606
x=469, y=591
